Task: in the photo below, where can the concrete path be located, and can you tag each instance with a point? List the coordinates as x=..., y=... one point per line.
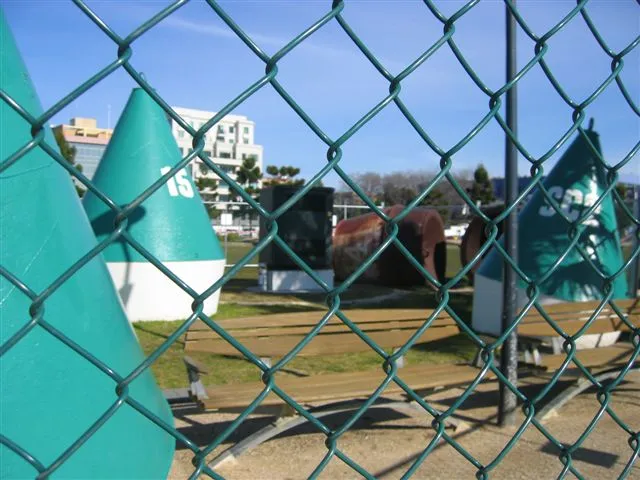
x=387, y=443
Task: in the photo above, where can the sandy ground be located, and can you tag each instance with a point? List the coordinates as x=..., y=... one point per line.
x=387, y=443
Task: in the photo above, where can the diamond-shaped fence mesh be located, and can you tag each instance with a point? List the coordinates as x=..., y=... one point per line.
x=489, y=348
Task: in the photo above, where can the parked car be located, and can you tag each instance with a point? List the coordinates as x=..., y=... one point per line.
x=455, y=231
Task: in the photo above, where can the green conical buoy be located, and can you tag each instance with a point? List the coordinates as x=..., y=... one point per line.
x=172, y=224
x=576, y=182
x=50, y=395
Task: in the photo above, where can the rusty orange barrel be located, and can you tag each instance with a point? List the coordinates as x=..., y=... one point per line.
x=474, y=237
x=421, y=232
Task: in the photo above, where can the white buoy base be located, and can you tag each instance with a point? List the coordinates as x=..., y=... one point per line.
x=487, y=313
x=291, y=281
x=147, y=294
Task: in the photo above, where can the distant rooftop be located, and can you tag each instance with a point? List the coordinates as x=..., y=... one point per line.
x=85, y=130
x=206, y=115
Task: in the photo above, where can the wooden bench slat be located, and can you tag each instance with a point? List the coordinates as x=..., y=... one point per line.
x=602, y=358
x=622, y=304
x=334, y=326
x=535, y=316
x=320, y=345
x=310, y=318
x=583, y=309
x=330, y=387
x=572, y=326
x=582, y=316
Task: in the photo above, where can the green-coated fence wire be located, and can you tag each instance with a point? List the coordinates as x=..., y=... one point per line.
x=126, y=60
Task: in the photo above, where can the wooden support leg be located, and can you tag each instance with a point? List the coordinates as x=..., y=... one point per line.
x=551, y=408
x=289, y=419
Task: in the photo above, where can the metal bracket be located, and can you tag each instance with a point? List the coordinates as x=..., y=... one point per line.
x=400, y=360
x=194, y=369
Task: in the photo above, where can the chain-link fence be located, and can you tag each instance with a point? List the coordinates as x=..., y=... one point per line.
x=489, y=349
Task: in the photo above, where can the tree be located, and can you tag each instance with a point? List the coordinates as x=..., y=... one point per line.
x=397, y=195
x=403, y=187
x=248, y=176
x=283, y=176
x=482, y=189
x=208, y=190
x=436, y=198
x=68, y=152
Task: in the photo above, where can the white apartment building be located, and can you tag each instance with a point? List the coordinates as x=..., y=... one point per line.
x=228, y=143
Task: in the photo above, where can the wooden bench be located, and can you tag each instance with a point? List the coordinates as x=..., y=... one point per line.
x=603, y=362
x=273, y=336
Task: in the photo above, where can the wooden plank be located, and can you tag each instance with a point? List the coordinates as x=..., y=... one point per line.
x=571, y=327
x=330, y=387
x=334, y=326
x=566, y=309
x=320, y=345
x=311, y=318
x=601, y=358
x=622, y=304
x=572, y=315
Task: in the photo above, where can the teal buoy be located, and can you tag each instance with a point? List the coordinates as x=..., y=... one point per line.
x=51, y=395
x=172, y=223
x=576, y=182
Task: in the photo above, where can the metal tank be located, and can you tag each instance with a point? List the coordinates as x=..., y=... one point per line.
x=421, y=232
x=475, y=237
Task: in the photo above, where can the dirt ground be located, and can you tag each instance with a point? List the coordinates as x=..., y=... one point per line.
x=386, y=443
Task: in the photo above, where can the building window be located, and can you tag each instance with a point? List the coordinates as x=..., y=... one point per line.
x=209, y=153
x=220, y=139
x=245, y=140
x=246, y=129
x=180, y=133
x=231, y=129
x=224, y=155
x=204, y=169
x=220, y=130
x=231, y=140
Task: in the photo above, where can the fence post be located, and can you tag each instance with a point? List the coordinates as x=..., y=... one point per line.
x=634, y=281
x=509, y=357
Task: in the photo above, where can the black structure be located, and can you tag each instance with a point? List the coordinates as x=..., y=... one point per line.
x=305, y=227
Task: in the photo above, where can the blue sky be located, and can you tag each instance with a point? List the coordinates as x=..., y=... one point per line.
x=194, y=60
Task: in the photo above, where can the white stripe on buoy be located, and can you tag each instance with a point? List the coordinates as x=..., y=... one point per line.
x=487, y=304
x=487, y=312
x=148, y=294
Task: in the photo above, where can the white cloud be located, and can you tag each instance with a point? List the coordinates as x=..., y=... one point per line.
x=260, y=39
